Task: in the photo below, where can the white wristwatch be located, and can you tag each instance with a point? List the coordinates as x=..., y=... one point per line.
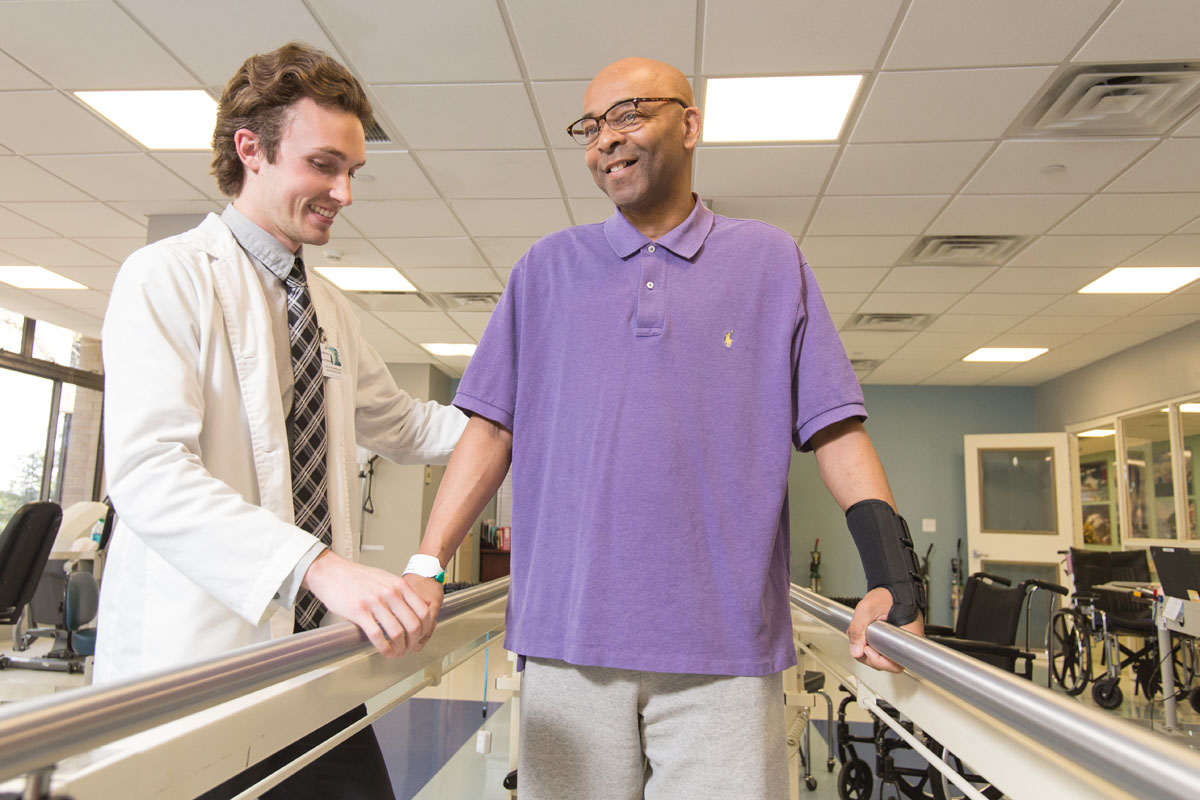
x=426, y=567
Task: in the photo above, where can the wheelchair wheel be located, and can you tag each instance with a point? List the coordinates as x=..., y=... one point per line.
x=855, y=780
x=1070, y=650
x=1194, y=699
x=943, y=789
x=1107, y=693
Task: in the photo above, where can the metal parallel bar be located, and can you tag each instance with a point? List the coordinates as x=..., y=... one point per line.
x=39, y=733
x=1126, y=756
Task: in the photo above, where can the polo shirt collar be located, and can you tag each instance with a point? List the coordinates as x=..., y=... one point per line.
x=684, y=240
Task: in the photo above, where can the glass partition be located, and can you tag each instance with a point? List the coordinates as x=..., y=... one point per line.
x=1150, y=486
x=1098, y=486
x=1017, y=491
x=27, y=403
x=1189, y=423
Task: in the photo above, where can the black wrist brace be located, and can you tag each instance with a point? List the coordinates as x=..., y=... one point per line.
x=886, y=550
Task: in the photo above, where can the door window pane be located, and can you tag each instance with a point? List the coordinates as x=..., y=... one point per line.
x=1017, y=491
x=12, y=326
x=22, y=439
x=1189, y=418
x=75, y=445
x=1097, y=487
x=52, y=343
x=1151, y=492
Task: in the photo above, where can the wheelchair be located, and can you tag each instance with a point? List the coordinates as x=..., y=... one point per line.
x=986, y=628
x=1102, y=617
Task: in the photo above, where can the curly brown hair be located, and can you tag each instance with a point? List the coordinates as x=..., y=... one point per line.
x=260, y=93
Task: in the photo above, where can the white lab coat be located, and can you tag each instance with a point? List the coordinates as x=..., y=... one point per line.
x=196, y=451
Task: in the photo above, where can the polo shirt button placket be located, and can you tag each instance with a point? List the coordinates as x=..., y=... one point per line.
x=651, y=302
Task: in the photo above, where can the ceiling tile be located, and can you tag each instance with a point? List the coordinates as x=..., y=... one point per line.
x=789, y=213
x=445, y=279
x=1180, y=303
x=55, y=253
x=1079, y=251
x=14, y=225
x=590, y=209
x=21, y=179
x=1193, y=228
x=193, y=168
x=964, y=373
x=1145, y=30
x=1047, y=340
x=99, y=278
x=560, y=103
x=47, y=122
x=948, y=33
x=1149, y=321
x=1170, y=251
x=88, y=301
x=839, y=216
x=79, y=219
x=1003, y=303
x=1099, y=304
x=974, y=323
x=769, y=170
x=1031, y=167
x=945, y=342
x=1046, y=280
x=119, y=177
x=854, y=251
x=14, y=76
x=1045, y=323
x=403, y=218
x=423, y=322
x=391, y=42
x=141, y=209
x=946, y=105
x=389, y=175
x=843, y=302
x=849, y=279
x=474, y=322
x=70, y=43
x=449, y=116
x=1004, y=214
x=515, y=217
x=1131, y=213
x=934, y=279
x=922, y=168
x=430, y=252
x=873, y=344
x=1190, y=127
x=902, y=371
x=193, y=30
x=346, y=251
x=395, y=349
x=548, y=35
x=753, y=37
x=116, y=249
x=575, y=175
x=1173, y=166
x=492, y=173
x=503, y=252
x=12, y=260
x=908, y=302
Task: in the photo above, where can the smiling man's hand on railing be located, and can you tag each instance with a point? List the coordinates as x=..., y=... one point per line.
x=873, y=607
x=395, y=615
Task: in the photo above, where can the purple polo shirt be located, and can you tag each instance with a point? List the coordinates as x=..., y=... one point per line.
x=654, y=390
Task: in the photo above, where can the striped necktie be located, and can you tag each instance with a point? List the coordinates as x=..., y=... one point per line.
x=306, y=432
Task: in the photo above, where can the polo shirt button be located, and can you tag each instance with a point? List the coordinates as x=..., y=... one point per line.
x=649, y=284
x=650, y=249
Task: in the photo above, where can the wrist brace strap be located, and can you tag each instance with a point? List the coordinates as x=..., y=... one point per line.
x=886, y=550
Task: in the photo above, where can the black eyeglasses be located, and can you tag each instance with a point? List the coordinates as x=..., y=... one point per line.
x=621, y=116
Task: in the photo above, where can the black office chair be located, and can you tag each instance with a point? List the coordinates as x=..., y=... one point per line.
x=25, y=546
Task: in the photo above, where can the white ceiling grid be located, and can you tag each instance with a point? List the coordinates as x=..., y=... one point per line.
x=475, y=94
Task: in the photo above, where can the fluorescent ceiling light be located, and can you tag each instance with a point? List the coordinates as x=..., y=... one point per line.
x=36, y=278
x=795, y=108
x=1096, y=433
x=444, y=349
x=367, y=279
x=1186, y=408
x=1005, y=353
x=1142, y=280
x=180, y=119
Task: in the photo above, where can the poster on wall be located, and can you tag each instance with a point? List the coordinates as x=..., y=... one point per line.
x=1097, y=524
x=1093, y=481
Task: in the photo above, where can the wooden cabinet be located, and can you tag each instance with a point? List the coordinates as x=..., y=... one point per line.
x=492, y=564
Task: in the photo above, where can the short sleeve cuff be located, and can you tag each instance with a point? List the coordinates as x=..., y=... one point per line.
x=804, y=433
x=473, y=405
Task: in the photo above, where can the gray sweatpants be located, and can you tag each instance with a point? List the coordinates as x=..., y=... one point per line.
x=610, y=734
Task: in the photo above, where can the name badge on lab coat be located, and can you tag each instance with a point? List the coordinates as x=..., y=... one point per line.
x=331, y=361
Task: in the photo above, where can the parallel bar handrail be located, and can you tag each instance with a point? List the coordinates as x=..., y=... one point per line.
x=1126, y=756
x=38, y=733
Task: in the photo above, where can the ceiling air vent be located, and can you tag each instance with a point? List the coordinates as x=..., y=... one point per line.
x=466, y=301
x=865, y=364
x=376, y=134
x=881, y=321
x=1115, y=100
x=962, y=251
x=395, y=301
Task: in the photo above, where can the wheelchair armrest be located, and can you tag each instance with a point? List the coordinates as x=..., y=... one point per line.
x=938, y=630
x=975, y=647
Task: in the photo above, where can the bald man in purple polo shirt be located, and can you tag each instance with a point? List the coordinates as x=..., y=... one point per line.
x=646, y=378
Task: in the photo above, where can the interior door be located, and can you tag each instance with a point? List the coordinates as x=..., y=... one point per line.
x=1018, y=504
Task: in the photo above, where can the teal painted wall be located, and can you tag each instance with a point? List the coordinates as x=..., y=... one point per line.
x=918, y=431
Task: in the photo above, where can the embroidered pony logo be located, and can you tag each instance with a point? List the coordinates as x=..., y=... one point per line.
x=728, y=339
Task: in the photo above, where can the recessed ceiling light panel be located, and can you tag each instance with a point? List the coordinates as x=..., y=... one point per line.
x=36, y=278
x=161, y=120
x=366, y=279
x=793, y=108
x=447, y=349
x=1005, y=353
x=1096, y=433
x=1142, y=280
